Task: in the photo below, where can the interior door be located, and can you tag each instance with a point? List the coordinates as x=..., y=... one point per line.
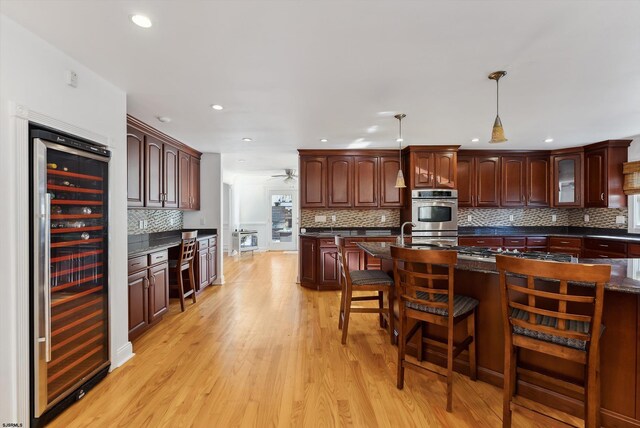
x=283, y=233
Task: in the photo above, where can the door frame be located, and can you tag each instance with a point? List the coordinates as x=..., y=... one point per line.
x=280, y=246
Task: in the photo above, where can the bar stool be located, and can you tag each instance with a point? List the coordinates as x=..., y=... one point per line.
x=185, y=262
x=428, y=298
x=564, y=333
x=363, y=280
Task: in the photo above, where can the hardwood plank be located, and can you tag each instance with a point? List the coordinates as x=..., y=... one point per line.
x=263, y=351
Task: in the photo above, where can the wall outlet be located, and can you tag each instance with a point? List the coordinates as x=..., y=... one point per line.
x=71, y=78
x=141, y=224
x=383, y=218
x=469, y=218
x=620, y=219
x=321, y=219
x=511, y=217
x=171, y=221
x=333, y=218
x=586, y=218
x=554, y=218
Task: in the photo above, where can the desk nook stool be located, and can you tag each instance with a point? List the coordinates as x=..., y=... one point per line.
x=184, y=262
x=542, y=313
x=426, y=296
x=363, y=280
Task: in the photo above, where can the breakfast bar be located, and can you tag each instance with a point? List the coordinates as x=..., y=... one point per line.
x=620, y=342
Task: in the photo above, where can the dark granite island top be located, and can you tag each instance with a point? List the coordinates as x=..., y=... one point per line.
x=619, y=349
x=625, y=273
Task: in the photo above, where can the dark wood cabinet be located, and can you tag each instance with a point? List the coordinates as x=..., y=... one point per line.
x=307, y=270
x=465, y=181
x=313, y=182
x=161, y=171
x=194, y=183
x=170, y=176
x=135, y=168
x=566, y=179
x=513, y=181
x=478, y=181
x=184, y=180
x=158, y=291
x=212, y=266
x=154, y=174
x=328, y=273
x=537, y=183
x=148, y=290
x=205, y=264
x=203, y=268
x=445, y=169
x=390, y=196
x=603, y=174
x=340, y=183
x=422, y=168
x=433, y=169
x=138, y=300
x=366, y=181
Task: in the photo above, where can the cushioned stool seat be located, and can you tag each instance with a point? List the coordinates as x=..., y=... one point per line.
x=370, y=277
x=461, y=304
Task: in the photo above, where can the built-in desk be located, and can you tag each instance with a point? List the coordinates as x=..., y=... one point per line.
x=620, y=346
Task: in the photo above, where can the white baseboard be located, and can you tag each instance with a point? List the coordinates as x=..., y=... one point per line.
x=123, y=354
x=219, y=280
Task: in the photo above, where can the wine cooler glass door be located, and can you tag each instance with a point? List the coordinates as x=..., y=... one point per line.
x=70, y=278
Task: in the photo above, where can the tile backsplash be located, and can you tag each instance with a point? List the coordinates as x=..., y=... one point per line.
x=157, y=221
x=598, y=217
x=350, y=218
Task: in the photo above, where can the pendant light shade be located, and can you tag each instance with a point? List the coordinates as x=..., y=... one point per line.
x=400, y=184
x=497, y=133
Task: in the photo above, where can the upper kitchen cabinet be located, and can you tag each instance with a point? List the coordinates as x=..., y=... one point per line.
x=366, y=181
x=566, y=178
x=525, y=180
x=135, y=167
x=390, y=195
x=160, y=169
x=433, y=168
x=340, y=184
x=478, y=180
x=313, y=182
x=603, y=174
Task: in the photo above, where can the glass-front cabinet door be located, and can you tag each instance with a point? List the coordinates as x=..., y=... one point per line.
x=567, y=181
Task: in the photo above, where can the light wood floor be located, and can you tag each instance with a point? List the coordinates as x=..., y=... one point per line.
x=262, y=351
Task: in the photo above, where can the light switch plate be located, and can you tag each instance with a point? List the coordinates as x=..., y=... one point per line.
x=511, y=217
x=141, y=224
x=383, y=218
x=620, y=219
x=321, y=219
x=333, y=218
x=586, y=218
x=469, y=218
x=554, y=218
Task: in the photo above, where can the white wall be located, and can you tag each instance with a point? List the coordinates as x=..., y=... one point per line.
x=634, y=149
x=32, y=75
x=210, y=214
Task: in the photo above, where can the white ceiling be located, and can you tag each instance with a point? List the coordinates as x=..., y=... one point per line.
x=292, y=72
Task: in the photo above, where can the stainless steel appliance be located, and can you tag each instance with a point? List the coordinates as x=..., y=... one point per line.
x=435, y=215
x=69, y=279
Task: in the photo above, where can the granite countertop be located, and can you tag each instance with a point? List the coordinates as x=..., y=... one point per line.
x=625, y=273
x=320, y=233
x=145, y=244
x=577, y=232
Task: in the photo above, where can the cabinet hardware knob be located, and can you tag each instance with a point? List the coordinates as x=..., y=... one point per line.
x=604, y=245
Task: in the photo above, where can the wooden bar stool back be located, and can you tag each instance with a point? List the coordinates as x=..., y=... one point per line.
x=426, y=295
x=543, y=314
x=185, y=262
x=363, y=280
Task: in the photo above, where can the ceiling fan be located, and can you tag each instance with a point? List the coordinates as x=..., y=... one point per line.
x=289, y=175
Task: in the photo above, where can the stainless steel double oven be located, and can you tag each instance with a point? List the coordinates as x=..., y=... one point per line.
x=435, y=215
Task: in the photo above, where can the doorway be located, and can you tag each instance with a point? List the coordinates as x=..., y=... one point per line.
x=283, y=225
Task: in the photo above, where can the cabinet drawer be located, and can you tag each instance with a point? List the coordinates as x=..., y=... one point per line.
x=512, y=242
x=351, y=242
x=605, y=245
x=327, y=242
x=536, y=241
x=598, y=254
x=160, y=256
x=213, y=242
x=576, y=252
x=137, y=263
x=633, y=250
x=480, y=241
x=203, y=244
x=381, y=239
x=556, y=241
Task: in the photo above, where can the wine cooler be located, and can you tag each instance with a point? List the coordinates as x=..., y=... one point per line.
x=69, y=297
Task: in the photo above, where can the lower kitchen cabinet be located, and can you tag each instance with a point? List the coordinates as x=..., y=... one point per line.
x=206, y=263
x=148, y=289
x=566, y=245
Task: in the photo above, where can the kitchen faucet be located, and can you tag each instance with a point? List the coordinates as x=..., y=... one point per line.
x=401, y=237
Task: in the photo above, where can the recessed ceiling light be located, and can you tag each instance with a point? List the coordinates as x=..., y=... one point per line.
x=548, y=140
x=141, y=21
x=163, y=119
x=475, y=140
x=241, y=160
x=323, y=140
x=216, y=106
x=248, y=140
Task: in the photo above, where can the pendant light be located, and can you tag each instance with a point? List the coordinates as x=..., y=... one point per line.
x=497, y=134
x=400, y=178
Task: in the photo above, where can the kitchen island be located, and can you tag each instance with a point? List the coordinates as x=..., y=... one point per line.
x=620, y=346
